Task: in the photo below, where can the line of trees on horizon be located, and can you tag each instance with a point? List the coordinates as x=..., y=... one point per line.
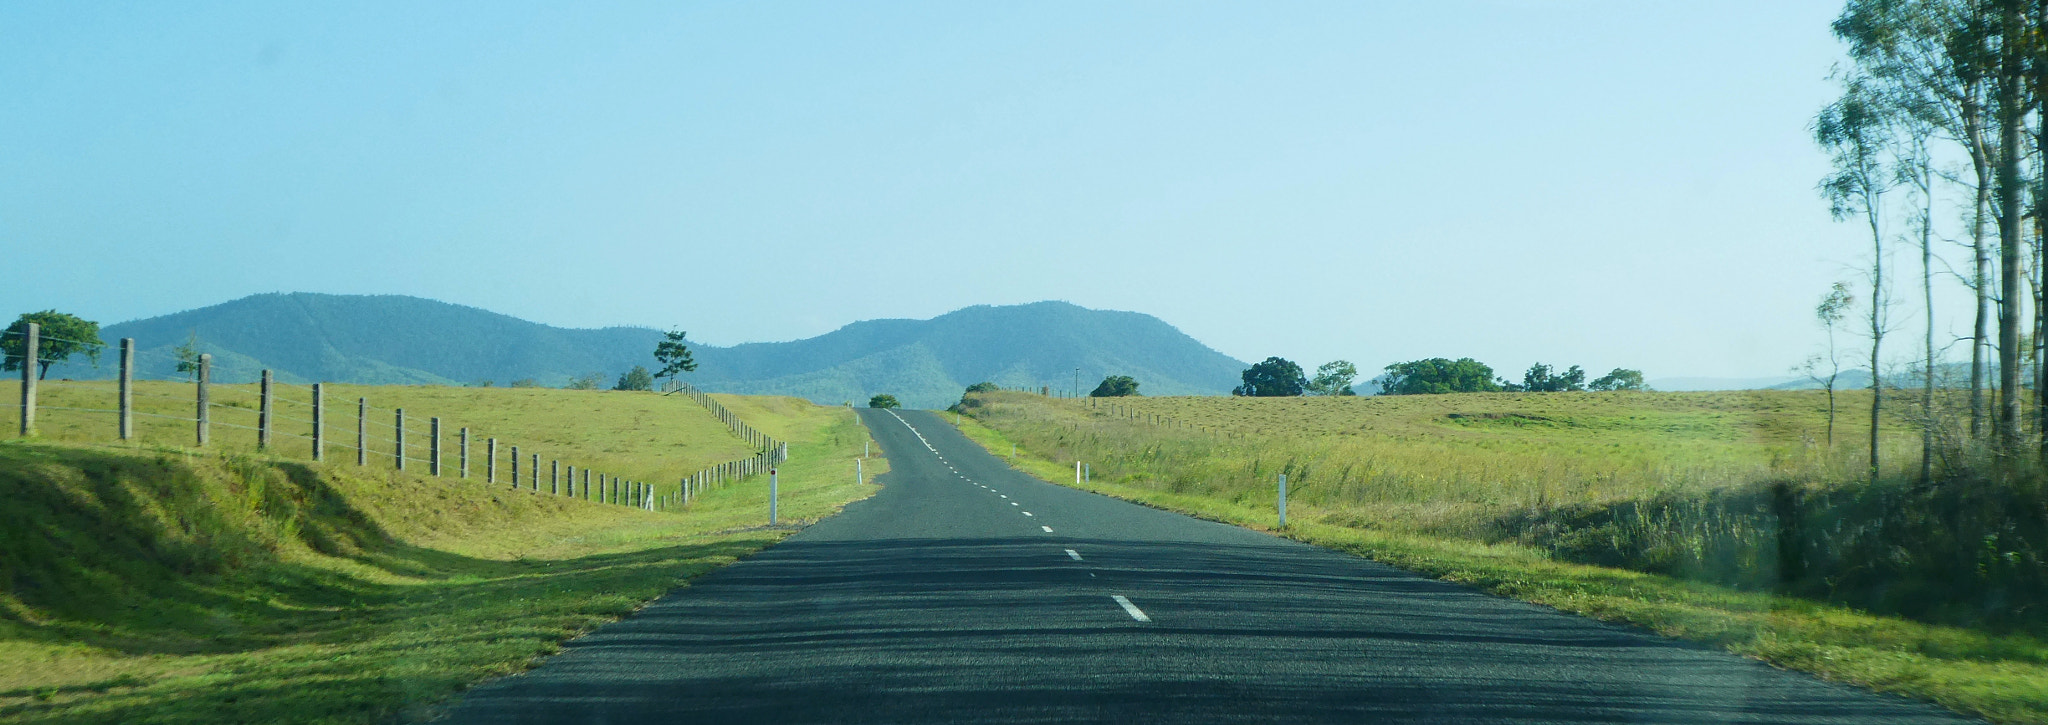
x=1280, y=377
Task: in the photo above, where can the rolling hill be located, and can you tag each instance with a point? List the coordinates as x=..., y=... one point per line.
x=389, y=339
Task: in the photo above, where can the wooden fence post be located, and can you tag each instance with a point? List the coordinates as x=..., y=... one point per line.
x=205, y=371
x=127, y=388
x=490, y=460
x=319, y=421
x=515, y=466
x=555, y=476
x=536, y=473
x=263, y=413
x=465, y=453
x=398, y=428
x=362, y=431
x=31, y=352
x=434, y=447
x=586, y=484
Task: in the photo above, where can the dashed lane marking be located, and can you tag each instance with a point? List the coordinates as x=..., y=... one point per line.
x=1132, y=609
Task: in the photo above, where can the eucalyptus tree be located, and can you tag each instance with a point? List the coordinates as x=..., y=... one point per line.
x=1833, y=308
x=1940, y=58
x=1914, y=168
x=2010, y=91
x=1856, y=131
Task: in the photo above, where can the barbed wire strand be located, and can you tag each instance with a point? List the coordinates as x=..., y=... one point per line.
x=40, y=336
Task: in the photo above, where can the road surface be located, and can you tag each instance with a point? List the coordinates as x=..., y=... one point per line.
x=968, y=592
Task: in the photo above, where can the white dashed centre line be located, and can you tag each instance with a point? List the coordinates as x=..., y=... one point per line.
x=1013, y=503
x=1075, y=555
x=1027, y=513
x=1132, y=609
x=1048, y=529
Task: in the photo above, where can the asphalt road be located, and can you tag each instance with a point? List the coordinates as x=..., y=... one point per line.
x=968, y=592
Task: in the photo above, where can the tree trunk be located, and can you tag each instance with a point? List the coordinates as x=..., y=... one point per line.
x=2040, y=372
x=1981, y=333
x=1877, y=302
x=1927, y=298
x=2011, y=118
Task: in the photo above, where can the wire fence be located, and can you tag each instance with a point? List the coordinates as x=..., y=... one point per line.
x=324, y=426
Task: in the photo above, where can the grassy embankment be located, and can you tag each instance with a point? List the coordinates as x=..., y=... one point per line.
x=1716, y=517
x=157, y=583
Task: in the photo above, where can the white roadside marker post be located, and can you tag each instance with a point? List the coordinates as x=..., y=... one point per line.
x=1283, y=500
x=858, y=477
x=771, y=496
x=1077, y=473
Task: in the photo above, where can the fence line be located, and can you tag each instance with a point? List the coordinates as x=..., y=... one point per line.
x=772, y=451
x=432, y=439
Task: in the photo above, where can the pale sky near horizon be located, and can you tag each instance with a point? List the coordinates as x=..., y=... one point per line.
x=1606, y=183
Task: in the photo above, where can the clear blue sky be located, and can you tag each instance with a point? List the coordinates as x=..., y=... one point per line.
x=1617, y=183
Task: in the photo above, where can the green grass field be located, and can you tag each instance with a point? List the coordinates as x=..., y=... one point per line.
x=641, y=436
x=1718, y=517
x=155, y=583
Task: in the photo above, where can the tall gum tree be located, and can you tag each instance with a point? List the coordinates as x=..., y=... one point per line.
x=1939, y=58
x=1854, y=130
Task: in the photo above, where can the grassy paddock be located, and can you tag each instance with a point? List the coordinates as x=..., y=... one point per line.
x=642, y=436
x=1513, y=493
x=170, y=585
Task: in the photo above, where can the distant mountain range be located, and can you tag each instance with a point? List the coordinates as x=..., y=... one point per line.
x=389, y=339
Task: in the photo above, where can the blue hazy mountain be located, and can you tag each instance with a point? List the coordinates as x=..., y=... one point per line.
x=390, y=339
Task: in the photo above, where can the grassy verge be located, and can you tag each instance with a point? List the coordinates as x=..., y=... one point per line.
x=2003, y=677
x=168, y=585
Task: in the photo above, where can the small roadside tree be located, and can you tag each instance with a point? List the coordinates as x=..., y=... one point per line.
x=1333, y=378
x=636, y=379
x=1274, y=378
x=982, y=387
x=1833, y=308
x=586, y=382
x=674, y=357
x=884, y=400
x=188, y=356
x=1620, y=379
x=1115, y=386
x=61, y=336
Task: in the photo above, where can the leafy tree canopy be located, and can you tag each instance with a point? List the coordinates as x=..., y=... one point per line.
x=188, y=356
x=586, y=382
x=1333, y=378
x=1276, y=377
x=1116, y=386
x=1620, y=379
x=1438, y=375
x=674, y=356
x=884, y=400
x=636, y=379
x=61, y=336
x=982, y=387
x=1541, y=378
